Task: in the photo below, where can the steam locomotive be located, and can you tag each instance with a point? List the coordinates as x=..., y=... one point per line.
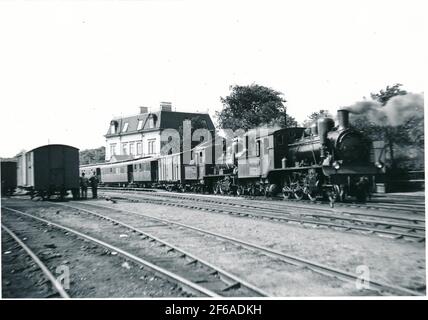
x=326, y=159
x=323, y=160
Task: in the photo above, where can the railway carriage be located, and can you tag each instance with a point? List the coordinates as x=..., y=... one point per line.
x=50, y=169
x=8, y=177
x=145, y=172
x=117, y=174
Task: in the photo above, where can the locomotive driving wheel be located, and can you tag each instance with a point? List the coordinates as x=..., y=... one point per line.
x=216, y=189
x=312, y=194
x=239, y=191
x=298, y=192
x=335, y=194
x=286, y=193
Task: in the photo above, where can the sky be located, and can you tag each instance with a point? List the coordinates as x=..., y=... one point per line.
x=68, y=67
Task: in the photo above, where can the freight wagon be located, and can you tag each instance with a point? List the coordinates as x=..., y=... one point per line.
x=8, y=177
x=48, y=170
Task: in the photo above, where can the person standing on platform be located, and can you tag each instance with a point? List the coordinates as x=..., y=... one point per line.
x=84, y=186
x=94, y=185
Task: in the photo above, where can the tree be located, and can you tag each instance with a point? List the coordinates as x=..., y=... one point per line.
x=248, y=107
x=315, y=116
x=383, y=96
x=89, y=156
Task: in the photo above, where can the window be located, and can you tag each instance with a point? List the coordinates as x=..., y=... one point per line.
x=124, y=148
x=140, y=125
x=112, y=149
x=152, y=121
x=139, y=149
x=112, y=129
x=131, y=148
x=125, y=127
x=258, y=148
x=152, y=146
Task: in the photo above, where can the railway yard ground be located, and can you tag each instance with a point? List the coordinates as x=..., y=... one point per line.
x=130, y=243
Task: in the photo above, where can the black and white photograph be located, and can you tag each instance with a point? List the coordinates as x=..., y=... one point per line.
x=220, y=150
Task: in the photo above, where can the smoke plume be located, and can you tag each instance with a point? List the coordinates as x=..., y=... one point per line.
x=397, y=111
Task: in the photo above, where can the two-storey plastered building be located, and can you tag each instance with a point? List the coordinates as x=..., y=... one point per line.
x=140, y=135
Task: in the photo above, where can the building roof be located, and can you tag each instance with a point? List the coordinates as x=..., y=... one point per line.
x=164, y=120
x=118, y=158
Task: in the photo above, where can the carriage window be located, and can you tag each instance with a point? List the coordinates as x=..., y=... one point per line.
x=258, y=148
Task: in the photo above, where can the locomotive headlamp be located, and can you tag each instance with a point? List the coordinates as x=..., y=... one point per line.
x=379, y=164
x=336, y=165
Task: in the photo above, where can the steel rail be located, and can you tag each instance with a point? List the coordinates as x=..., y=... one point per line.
x=56, y=285
x=274, y=206
x=329, y=216
x=256, y=198
x=291, y=259
x=229, y=278
x=347, y=227
x=192, y=287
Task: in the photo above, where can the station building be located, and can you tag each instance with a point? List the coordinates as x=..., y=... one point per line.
x=140, y=135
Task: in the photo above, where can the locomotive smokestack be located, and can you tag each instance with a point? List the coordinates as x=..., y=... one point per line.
x=343, y=119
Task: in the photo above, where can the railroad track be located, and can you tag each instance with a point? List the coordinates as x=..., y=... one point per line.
x=195, y=275
x=387, y=204
x=46, y=272
x=407, y=228
x=381, y=287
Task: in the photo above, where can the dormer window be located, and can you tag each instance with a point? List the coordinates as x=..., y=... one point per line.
x=152, y=121
x=113, y=127
x=125, y=127
x=140, y=125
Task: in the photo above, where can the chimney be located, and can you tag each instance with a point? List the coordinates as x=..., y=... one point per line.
x=165, y=106
x=144, y=110
x=343, y=119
